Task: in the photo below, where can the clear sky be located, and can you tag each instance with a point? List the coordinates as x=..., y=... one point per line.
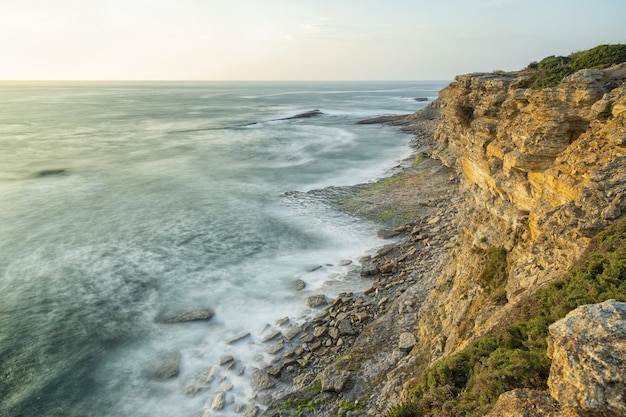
x=293, y=39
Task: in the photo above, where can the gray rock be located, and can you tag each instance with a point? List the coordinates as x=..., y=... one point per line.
x=334, y=380
x=406, y=342
x=316, y=301
x=202, y=314
x=260, y=381
x=345, y=262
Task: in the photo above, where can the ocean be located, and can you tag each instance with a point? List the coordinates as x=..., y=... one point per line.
x=125, y=202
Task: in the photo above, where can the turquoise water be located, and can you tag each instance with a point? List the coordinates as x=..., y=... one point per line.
x=123, y=202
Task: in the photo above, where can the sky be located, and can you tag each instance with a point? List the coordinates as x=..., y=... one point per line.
x=293, y=39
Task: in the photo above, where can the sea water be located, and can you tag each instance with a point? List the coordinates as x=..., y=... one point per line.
x=121, y=203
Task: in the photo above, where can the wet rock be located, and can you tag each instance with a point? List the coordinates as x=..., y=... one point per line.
x=224, y=360
x=202, y=314
x=200, y=382
x=219, y=401
x=334, y=380
x=237, y=338
x=273, y=335
x=345, y=262
x=316, y=301
x=168, y=368
x=260, y=380
x=421, y=99
x=298, y=285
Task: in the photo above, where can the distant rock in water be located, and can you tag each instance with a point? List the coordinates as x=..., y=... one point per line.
x=49, y=172
x=421, y=99
x=202, y=314
x=305, y=115
x=395, y=120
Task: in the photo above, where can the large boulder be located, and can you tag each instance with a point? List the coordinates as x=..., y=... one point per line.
x=588, y=351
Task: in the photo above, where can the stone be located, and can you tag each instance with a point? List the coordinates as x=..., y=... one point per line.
x=334, y=380
x=168, y=368
x=202, y=314
x=406, y=341
x=588, y=351
x=260, y=380
x=316, y=301
x=320, y=331
x=387, y=267
x=334, y=333
x=345, y=328
x=345, y=262
x=200, y=382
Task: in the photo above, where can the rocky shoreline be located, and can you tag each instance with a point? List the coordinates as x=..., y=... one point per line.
x=322, y=362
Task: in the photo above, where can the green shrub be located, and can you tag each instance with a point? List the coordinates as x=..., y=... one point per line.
x=552, y=69
x=469, y=382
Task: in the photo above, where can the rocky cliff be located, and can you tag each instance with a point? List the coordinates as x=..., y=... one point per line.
x=533, y=176
x=542, y=172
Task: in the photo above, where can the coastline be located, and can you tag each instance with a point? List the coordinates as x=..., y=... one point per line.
x=323, y=358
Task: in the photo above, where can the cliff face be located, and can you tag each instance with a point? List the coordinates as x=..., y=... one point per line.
x=542, y=171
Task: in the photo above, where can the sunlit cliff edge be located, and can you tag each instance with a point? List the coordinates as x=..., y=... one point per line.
x=537, y=195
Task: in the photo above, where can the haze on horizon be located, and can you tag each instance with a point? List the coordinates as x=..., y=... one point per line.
x=293, y=39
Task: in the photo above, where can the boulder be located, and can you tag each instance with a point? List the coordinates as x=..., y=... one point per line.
x=525, y=403
x=588, y=351
x=406, y=342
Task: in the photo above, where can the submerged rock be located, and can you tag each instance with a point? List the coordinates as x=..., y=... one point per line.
x=49, y=172
x=168, y=368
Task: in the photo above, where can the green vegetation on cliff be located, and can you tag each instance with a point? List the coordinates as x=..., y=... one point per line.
x=469, y=382
x=551, y=70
